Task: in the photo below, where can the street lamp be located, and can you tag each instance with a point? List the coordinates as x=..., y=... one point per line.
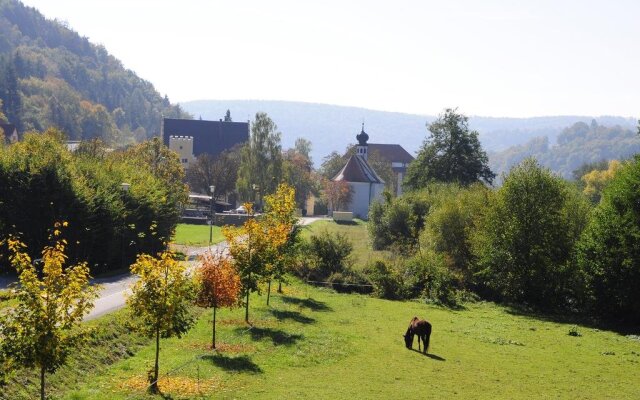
x=212, y=189
x=124, y=187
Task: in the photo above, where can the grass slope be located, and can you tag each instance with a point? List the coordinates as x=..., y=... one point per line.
x=316, y=344
x=357, y=234
x=196, y=235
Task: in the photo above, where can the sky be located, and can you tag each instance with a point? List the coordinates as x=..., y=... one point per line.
x=502, y=58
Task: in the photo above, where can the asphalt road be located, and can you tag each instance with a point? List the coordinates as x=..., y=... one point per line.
x=115, y=289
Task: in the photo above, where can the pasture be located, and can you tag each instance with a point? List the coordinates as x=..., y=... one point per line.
x=313, y=343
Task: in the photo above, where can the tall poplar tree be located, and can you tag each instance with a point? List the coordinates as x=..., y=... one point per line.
x=261, y=160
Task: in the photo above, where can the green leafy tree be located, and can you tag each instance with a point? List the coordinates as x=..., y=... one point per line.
x=609, y=250
x=44, y=327
x=220, y=171
x=451, y=153
x=527, y=238
x=160, y=301
x=260, y=169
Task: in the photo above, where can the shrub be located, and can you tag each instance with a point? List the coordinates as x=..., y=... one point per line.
x=328, y=254
x=427, y=276
x=527, y=238
x=386, y=281
x=609, y=250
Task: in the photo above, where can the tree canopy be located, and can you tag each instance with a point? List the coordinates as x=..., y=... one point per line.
x=451, y=153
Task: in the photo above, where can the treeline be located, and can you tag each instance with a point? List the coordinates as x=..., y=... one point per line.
x=536, y=241
x=577, y=145
x=51, y=76
x=117, y=204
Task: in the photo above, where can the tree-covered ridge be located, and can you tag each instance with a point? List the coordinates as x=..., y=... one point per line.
x=51, y=76
x=577, y=145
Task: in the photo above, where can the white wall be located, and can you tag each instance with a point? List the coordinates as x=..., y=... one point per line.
x=362, y=193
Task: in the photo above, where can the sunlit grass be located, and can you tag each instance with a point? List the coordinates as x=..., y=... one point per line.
x=196, y=235
x=315, y=344
x=357, y=234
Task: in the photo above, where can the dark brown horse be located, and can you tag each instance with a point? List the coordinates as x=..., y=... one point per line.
x=421, y=328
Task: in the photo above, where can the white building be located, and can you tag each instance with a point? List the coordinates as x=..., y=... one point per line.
x=367, y=186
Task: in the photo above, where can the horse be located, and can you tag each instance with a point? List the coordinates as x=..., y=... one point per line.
x=421, y=328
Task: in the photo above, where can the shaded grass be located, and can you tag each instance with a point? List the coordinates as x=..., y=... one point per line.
x=357, y=234
x=196, y=235
x=354, y=349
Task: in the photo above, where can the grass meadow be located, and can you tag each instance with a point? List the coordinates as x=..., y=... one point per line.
x=196, y=235
x=312, y=343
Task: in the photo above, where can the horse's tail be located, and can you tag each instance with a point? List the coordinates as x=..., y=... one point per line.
x=427, y=337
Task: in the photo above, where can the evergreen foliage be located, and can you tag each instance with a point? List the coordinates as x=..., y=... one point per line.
x=51, y=76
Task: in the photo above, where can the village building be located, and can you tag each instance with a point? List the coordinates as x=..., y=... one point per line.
x=366, y=185
x=190, y=138
x=399, y=159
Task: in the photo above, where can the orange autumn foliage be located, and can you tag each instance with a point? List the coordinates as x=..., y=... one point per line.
x=219, y=282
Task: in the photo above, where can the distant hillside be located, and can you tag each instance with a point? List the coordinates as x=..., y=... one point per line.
x=576, y=145
x=334, y=127
x=51, y=76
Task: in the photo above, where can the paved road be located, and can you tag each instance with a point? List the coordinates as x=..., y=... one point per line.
x=115, y=289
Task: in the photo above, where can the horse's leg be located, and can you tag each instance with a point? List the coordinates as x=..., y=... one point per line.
x=425, y=344
x=418, y=342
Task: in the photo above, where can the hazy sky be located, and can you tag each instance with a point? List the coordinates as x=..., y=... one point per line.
x=489, y=57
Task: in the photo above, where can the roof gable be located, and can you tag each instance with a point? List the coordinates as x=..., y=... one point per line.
x=357, y=169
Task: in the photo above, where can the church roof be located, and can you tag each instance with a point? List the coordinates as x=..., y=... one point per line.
x=391, y=152
x=357, y=169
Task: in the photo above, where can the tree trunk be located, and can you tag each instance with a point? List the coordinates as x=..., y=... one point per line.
x=154, y=384
x=280, y=286
x=246, y=309
x=42, y=372
x=268, y=291
x=213, y=342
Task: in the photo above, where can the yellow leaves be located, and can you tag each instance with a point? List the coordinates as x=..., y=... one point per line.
x=180, y=386
x=597, y=180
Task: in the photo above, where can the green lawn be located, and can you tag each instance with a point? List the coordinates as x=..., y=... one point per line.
x=315, y=344
x=357, y=234
x=196, y=235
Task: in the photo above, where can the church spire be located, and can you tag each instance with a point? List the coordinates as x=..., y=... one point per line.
x=362, y=138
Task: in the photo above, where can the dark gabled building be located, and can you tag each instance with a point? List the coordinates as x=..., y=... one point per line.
x=198, y=136
x=395, y=155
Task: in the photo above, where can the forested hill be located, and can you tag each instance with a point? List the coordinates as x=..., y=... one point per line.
x=576, y=145
x=51, y=76
x=331, y=127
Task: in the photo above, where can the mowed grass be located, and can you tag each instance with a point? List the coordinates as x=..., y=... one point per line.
x=312, y=343
x=196, y=235
x=356, y=232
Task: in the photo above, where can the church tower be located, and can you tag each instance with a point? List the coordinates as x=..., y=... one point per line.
x=362, y=147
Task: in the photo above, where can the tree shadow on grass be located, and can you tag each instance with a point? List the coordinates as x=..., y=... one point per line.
x=575, y=319
x=431, y=356
x=277, y=337
x=292, y=315
x=234, y=364
x=309, y=303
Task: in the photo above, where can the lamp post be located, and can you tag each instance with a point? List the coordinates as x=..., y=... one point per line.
x=124, y=187
x=212, y=189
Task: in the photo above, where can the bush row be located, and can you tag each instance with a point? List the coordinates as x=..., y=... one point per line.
x=41, y=183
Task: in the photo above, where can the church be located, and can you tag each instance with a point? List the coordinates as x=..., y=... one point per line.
x=366, y=185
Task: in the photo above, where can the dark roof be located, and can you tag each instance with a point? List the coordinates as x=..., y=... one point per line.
x=391, y=152
x=211, y=137
x=357, y=169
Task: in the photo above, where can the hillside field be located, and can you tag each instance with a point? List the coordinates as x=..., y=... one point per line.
x=312, y=343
